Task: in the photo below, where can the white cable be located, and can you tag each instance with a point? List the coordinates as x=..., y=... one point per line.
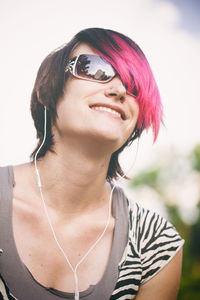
x=44, y=138
x=74, y=270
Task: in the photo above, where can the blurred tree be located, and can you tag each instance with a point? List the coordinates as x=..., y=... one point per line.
x=176, y=170
x=195, y=157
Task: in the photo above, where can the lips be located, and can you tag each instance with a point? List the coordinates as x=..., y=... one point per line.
x=115, y=110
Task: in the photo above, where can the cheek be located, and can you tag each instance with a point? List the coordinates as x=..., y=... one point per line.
x=72, y=89
x=71, y=98
x=134, y=112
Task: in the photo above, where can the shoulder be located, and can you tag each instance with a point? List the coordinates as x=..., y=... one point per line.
x=9, y=173
x=6, y=172
x=151, y=262
x=6, y=179
x=165, y=284
x=156, y=239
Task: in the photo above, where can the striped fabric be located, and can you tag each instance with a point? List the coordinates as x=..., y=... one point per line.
x=4, y=291
x=152, y=243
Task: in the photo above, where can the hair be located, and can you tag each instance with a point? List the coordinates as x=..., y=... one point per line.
x=133, y=69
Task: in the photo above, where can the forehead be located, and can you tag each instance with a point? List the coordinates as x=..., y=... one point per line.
x=82, y=48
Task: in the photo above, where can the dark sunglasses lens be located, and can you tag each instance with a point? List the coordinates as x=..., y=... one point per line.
x=93, y=67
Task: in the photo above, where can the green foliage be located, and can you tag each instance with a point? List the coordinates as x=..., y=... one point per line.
x=195, y=156
x=194, y=242
x=190, y=281
x=149, y=178
x=189, y=290
x=160, y=178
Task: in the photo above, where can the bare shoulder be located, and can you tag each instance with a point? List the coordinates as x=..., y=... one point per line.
x=24, y=188
x=165, y=284
x=22, y=170
x=23, y=175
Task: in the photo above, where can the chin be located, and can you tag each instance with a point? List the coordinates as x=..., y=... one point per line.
x=109, y=138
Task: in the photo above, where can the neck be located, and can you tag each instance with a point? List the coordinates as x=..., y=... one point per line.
x=74, y=182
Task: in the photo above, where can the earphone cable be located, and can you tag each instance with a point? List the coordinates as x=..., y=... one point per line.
x=74, y=270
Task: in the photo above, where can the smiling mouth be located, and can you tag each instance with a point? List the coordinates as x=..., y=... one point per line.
x=109, y=110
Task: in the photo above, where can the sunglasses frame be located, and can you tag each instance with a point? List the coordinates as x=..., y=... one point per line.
x=71, y=67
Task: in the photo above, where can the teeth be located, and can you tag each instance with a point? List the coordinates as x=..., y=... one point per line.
x=108, y=110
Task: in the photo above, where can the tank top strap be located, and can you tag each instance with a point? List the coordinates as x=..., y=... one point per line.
x=6, y=186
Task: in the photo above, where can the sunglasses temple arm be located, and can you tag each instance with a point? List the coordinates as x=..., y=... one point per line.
x=70, y=65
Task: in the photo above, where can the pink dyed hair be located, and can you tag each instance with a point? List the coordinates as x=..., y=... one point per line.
x=136, y=74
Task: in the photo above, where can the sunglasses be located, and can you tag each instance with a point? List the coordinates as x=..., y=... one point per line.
x=91, y=67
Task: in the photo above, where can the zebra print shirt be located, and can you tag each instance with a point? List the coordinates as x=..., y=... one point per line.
x=152, y=243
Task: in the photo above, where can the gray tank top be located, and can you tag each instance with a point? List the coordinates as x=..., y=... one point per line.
x=18, y=278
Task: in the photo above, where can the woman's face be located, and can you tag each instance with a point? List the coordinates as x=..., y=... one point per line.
x=93, y=111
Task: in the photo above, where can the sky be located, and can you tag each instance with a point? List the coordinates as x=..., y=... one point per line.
x=167, y=31
x=189, y=11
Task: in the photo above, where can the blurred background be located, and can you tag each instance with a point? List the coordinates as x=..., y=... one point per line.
x=166, y=175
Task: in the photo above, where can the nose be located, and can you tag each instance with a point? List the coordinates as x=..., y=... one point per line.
x=115, y=89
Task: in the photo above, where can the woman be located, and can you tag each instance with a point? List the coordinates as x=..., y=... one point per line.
x=66, y=230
